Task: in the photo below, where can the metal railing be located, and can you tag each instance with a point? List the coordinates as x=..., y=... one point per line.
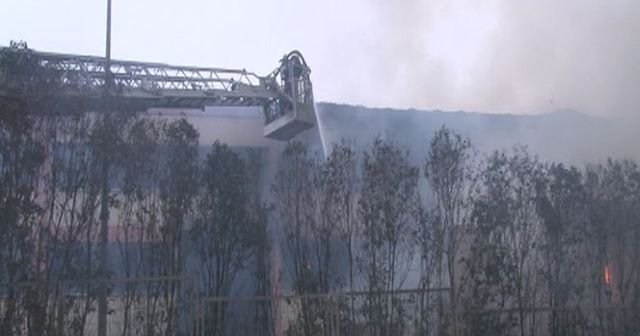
x=172, y=306
x=140, y=306
x=401, y=312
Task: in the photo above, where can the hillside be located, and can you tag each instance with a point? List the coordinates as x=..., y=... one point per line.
x=566, y=135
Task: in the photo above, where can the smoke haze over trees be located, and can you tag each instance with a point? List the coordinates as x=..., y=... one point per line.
x=562, y=136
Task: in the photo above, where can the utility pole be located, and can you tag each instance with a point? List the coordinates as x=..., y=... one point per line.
x=104, y=204
x=108, y=51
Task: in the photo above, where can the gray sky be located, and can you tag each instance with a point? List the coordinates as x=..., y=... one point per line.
x=494, y=55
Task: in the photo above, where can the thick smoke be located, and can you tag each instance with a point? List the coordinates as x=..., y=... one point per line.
x=514, y=56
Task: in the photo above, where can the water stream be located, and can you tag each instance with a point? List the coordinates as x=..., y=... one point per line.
x=321, y=131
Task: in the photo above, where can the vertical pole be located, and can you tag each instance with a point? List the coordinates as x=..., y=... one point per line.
x=104, y=206
x=104, y=240
x=108, y=51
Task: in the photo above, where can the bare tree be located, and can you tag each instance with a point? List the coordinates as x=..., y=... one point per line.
x=333, y=227
x=138, y=216
x=261, y=242
x=502, y=266
x=178, y=187
x=335, y=206
x=341, y=189
x=36, y=232
x=562, y=207
x=293, y=198
x=68, y=231
x=387, y=208
x=449, y=172
x=222, y=227
x=20, y=160
x=611, y=250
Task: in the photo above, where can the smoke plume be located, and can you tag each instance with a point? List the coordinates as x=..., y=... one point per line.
x=510, y=56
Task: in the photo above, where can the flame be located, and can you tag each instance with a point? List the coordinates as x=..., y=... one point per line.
x=608, y=276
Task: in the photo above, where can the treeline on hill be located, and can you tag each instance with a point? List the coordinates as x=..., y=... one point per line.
x=499, y=244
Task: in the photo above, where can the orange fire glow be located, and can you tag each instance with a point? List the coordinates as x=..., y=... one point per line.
x=608, y=277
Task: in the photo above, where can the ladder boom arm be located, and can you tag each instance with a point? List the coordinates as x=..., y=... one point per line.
x=286, y=91
x=86, y=75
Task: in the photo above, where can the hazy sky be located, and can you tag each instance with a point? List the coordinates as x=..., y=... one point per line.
x=494, y=55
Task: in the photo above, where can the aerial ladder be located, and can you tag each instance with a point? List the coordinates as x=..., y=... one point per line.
x=285, y=95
